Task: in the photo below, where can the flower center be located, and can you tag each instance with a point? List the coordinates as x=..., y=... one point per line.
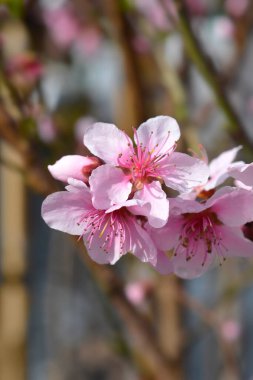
x=109, y=228
x=200, y=230
x=145, y=163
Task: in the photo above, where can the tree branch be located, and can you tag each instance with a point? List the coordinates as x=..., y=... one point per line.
x=207, y=69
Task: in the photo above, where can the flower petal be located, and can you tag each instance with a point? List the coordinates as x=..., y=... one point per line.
x=184, y=172
x=109, y=186
x=72, y=166
x=75, y=185
x=235, y=244
x=136, y=241
x=98, y=253
x=219, y=168
x=166, y=238
x=155, y=204
x=163, y=264
x=158, y=133
x=142, y=245
x=107, y=142
x=196, y=266
x=244, y=174
x=64, y=210
x=234, y=208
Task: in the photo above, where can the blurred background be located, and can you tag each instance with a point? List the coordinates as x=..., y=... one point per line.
x=63, y=65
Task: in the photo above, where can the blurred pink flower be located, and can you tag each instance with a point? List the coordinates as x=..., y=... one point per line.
x=197, y=233
x=141, y=170
x=81, y=125
x=236, y=8
x=197, y=7
x=88, y=40
x=230, y=330
x=25, y=65
x=62, y=25
x=46, y=128
x=224, y=27
x=136, y=292
x=107, y=234
x=154, y=12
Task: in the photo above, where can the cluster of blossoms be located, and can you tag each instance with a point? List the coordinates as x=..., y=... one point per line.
x=117, y=201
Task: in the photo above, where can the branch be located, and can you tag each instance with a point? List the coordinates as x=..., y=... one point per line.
x=206, y=67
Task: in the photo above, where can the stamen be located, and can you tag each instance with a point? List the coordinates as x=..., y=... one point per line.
x=200, y=227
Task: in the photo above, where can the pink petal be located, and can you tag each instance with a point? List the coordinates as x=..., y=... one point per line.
x=194, y=267
x=180, y=206
x=234, y=208
x=244, y=173
x=109, y=186
x=185, y=172
x=163, y=265
x=166, y=238
x=107, y=142
x=155, y=204
x=75, y=185
x=128, y=203
x=158, y=133
x=137, y=241
x=235, y=244
x=97, y=252
x=142, y=245
x=71, y=166
x=219, y=168
x=64, y=210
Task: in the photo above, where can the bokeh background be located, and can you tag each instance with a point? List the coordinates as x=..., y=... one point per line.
x=63, y=65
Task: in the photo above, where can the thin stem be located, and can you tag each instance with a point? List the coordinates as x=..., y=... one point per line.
x=207, y=69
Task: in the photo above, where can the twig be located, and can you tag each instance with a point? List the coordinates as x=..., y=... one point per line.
x=207, y=69
x=139, y=327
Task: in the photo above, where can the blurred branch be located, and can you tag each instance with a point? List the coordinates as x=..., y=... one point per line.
x=243, y=27
x=206, y=67
x=35, y=176
x=124, y=38
x=11, y=165
x=142, y=333
x=210, y=318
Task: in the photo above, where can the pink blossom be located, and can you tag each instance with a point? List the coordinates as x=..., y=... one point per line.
x=198, y=233
x=139, y=171
x=236, y=7
x=137, y=291
x=154, y=12
x=218, y=173
x=224, y=27
x=63, y=26
x=73, y=166
x=46, y=128
x=243, y=173
x=197, y=7
x=25, y=65
x=107, y=234
x=88, y=40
